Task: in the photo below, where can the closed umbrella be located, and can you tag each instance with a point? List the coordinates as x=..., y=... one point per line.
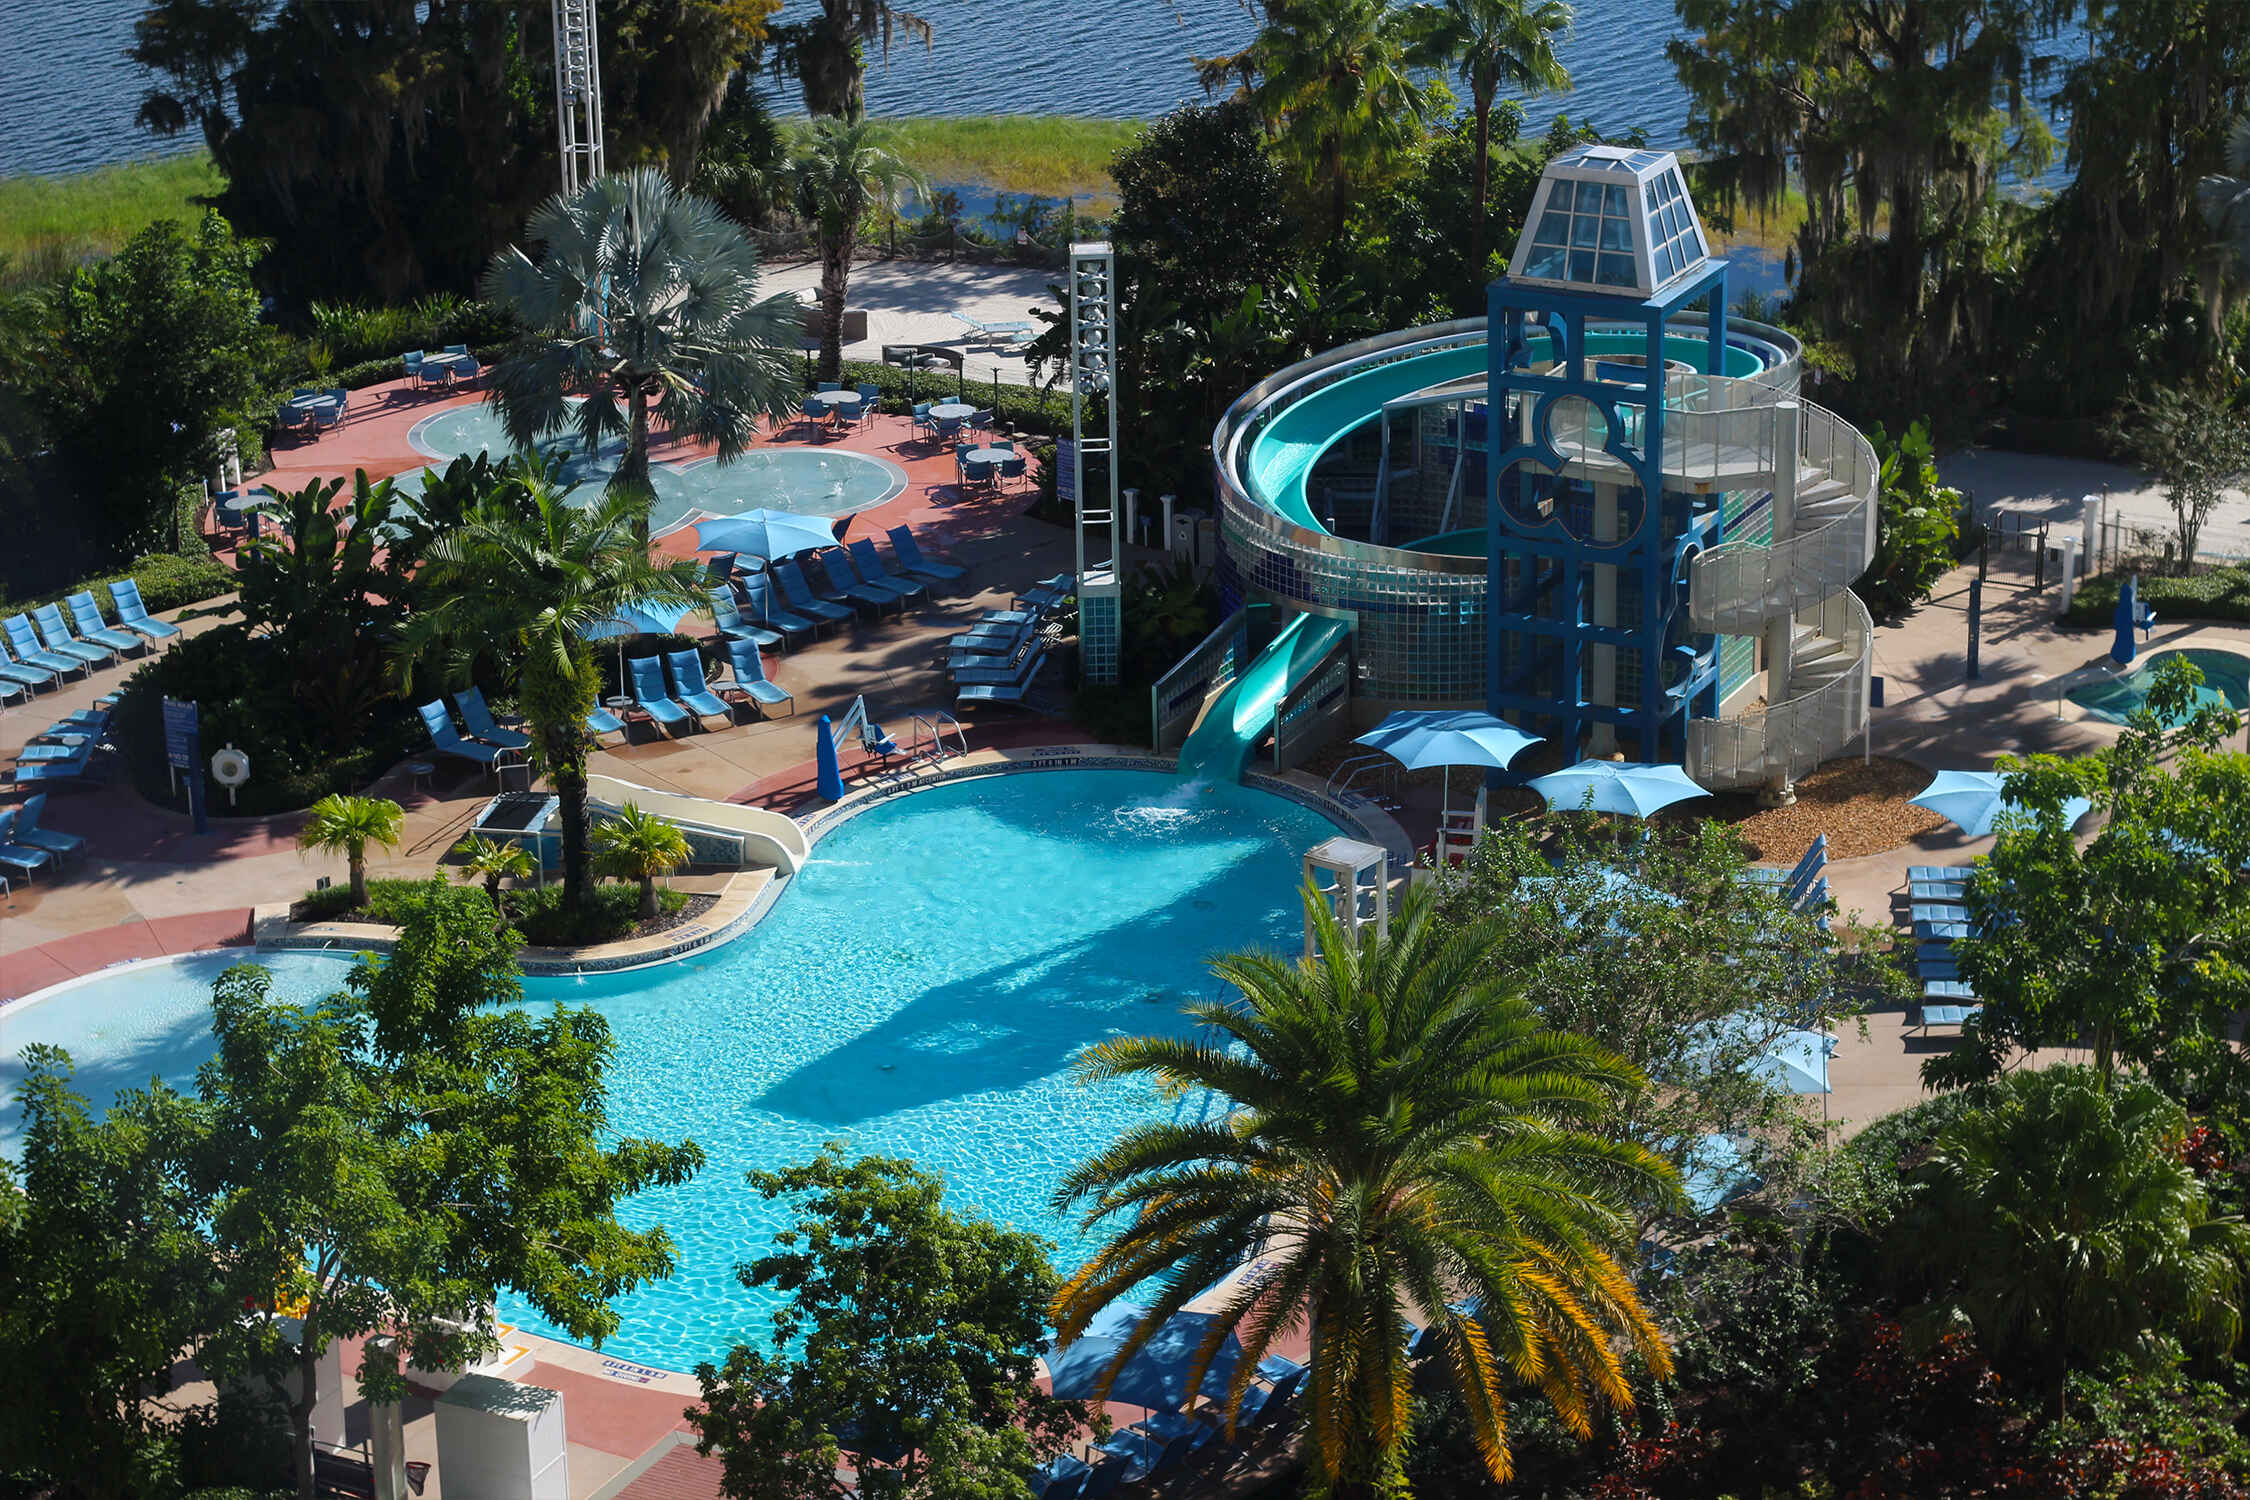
x=1156, y=1376
x=2126, y=647
x=1633, y=789
x=1975, y=800
x=765, y=533
x=1421, y=738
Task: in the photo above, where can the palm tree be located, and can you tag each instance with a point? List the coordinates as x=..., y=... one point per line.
x=525, y=582
x=2061, y=1220
x=338, y=824
x=1498, y=44
x=492, y=861
x=638, y=845
x=645, y=304
x=1409, y=1145
x=842, y=169
x=827, y=53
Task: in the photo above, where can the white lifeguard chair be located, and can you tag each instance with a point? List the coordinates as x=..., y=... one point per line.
x=1458, y=832
x=1354, y=877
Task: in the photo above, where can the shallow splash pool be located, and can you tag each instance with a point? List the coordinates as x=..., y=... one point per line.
x=2226, y=684
x=810, y=481
x=920, y=991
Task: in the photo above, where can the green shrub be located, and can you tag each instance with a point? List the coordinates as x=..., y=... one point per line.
x=536, y=914
x=1020, y=406
x=358, y=336
x=2221, y=594
x=1918, y=523
x=167, y=582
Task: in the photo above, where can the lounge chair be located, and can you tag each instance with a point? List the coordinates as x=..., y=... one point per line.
x=55, y=631
x=1937, y=911
x=720, y=570
x=1004, y=692
x=1060, y=1478
x=912, y=559
x=601, y=721
x=19, y=856
x=68, y=768
x=691, y=688
x=871, y=568
x=53, y=840
x=1109, y=1473
x=478, y=719
x=844, y=578
x=1954, y=873
x=87, y=616
x=446, y=740
x=1000, y=668
x=800, y=595
x=1943, y=931
x=1947, y=1015
x=14, y=671
x=1937, y=890
x=727, y=616
x=29, y=650
x=1049, y=593
x=750, y=677
x=757, y=593
x=647, y=674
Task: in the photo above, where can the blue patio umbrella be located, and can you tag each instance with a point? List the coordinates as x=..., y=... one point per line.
x=2125, y=647
x=1632, y=788
x=1156, y=1376
x=1421, y=738
x=1796, y=1059
x=636, y=619
x=765, y=533
x=1974, y=800
x=1715, y=1170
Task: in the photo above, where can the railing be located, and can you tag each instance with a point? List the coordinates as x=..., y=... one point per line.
x=1737, y=587
x=1309, y=717
x=934, y=724
x=1178, y=696
x=1789, y=738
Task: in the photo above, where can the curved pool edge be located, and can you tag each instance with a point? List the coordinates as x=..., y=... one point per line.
x=2191, y=635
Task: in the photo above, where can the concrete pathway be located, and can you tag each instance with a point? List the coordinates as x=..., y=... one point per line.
x=2052, y=488
x=915, y=302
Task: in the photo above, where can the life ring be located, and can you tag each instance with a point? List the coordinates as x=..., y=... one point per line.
x=230, y=767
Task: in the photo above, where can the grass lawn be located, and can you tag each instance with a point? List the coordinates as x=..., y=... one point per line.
x=51, y=223
x=1055, y=155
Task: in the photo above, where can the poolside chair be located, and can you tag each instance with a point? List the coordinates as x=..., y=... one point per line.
x=341, y=395
x=446, y=740
x=913, y=560
x=1000, y=669
x=431, y=376
x=1012, y=692
x=844, y=582
x=412, y=359
x=691, y=689
x=760, y=609
x=920, y=422
x=72, y=767
x=945, y=427
x=15, y=673
x=813, y=412
x=871, y=568
x=1109, y=1473
x=726, y=616
x=17, y=856
x=478, y=720
x=870, y=394
x=29, y=650
x=125, y=593
x=601, y=721
x=328, y=416
x=56, y=634
x=647, y=675
x=1060, y=1478
x=53, y=840
x=982, y=419
x=1048, y=593
x=720, y=569
x=825, y=386
x=799, y=593
x=849, y=412
x=975, y=471
x=750, y=677
x=87, y=615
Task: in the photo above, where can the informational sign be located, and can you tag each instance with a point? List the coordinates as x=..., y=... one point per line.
x=180, y=726
x=1066, y=471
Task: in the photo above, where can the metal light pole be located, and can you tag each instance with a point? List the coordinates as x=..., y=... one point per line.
x=1093, y=370
x=578, y=93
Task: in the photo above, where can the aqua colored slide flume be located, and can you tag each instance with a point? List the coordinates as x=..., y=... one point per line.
x=1219, y=748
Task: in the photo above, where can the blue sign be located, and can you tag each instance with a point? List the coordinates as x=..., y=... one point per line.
x=1066, y=471
x=180, y=734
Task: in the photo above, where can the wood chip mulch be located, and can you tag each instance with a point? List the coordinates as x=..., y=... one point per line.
x=1862, y=809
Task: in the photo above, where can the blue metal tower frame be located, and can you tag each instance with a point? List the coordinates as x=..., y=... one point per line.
x=1552, y=557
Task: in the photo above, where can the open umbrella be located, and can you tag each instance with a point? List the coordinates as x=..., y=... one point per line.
x=1631, y=788
x=1796, y=1059
x=1715, y=1170
x=632, y=620
x=1156, y=1377
x=1974, y=800
x=1421, y=738
x=765, y=533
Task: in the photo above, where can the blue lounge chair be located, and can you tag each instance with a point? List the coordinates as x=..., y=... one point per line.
x=727, y=616
x=751, y=679
x=871, y=568
x=912, y=559
x=720, y=570
x=1956, y=874
x=14, y=671
x=1937, y=911
x=69, y=769
x=446, y=740
x=1109, y=1473
x=478, y=719
x=1937, y=890
x=87, y=616
x=1060, y=1478
x=691, y=688
x=601, y=721
x=1004, y=692
x=1943, y=931
x=1049, y=593
x=55, y=631
x=53, y=840
x=826, y=386
x=757, y=592
x=845, y=579
x=17, y=856
x=29, y=650
x=1947, y=1015
x=1000, y=668
x=800, y=595
x=649, y=691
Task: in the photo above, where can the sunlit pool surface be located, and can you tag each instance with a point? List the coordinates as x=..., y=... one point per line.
x=919, y=991
x=2226, y=684
x=809, y=481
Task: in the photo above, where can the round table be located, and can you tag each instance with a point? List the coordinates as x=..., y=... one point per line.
x=314, y=403
x=834, y=399
x=953, y=411
x=993, y=456
x=421, y=771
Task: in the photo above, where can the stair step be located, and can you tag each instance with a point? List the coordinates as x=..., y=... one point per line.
x=1808, y=646
x=1827, y=489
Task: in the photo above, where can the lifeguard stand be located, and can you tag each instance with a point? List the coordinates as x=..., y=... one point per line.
x=1354, y=878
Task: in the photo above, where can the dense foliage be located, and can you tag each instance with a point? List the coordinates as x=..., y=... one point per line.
x=1917, y=523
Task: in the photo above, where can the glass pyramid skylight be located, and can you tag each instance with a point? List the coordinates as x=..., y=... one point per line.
x=1610, y=219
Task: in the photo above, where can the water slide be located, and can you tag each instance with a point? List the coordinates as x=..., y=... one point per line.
x=762, y=837
x=1239, y=714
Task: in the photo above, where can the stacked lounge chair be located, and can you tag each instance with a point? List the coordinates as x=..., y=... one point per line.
x=999, y=658
x=134, y=615
x=1937, y=905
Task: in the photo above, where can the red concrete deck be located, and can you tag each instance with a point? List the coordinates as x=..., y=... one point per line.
x=29, y=970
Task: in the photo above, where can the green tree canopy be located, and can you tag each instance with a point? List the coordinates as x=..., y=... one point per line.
x=907, y=1338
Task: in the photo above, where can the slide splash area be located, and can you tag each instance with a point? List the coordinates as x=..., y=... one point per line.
x=1241, y=713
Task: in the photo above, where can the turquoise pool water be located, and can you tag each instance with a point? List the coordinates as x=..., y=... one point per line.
x=809, y=481
x=2226, y=684
x=920, y=990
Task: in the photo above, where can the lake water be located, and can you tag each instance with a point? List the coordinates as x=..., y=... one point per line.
x=68, y=94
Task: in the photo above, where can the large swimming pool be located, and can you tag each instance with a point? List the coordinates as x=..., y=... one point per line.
x=809, y=481
x=920, y=990
x=2226, y=684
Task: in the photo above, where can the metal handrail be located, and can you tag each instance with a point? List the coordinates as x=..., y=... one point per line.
x=1791, y=737
x=1219, y=658
x=934, y=721
x=1736, y=586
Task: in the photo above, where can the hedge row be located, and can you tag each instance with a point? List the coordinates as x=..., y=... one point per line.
x=166, y=581
x=1022, y=407
x=2220, y=594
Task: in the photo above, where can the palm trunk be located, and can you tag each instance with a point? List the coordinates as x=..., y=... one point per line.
x=648, y=896
x=359, y=880
x=1481, y=179
x=835, y=281
x=632, y=470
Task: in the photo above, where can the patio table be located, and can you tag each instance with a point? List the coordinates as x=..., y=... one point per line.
x=834, y=399
x=314, y=403
x=989, y=455
x=953, y=411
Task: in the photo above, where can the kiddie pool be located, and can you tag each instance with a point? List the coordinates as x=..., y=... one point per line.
x=2226, y=684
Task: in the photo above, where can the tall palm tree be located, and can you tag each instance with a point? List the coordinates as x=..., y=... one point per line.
x=1409, y=1146
x=640, y=846
x=1498, y=44
x=842, y=169
x=338, y=824
x=828, y=52
x=644, y=303
x=525, y=582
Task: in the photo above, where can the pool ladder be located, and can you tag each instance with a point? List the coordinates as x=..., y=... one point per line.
x=1378, y=771
x=931, y=727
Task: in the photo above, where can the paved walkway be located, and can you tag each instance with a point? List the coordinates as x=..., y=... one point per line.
x=2053, y=488
x=920, y=302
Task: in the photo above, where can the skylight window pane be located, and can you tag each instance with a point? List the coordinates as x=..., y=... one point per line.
x=1672, y=188
x=1665, y=264
x=1582, y=266
x=1614, y=200
x=1585, y=230
x=1554, y=229
x=1616, y=270
x=1546, y=262
x=1617, y=234
x=1589, y=197
x=1648, y=193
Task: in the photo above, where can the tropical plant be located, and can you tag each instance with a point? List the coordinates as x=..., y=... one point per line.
x=637, y=845
x=1918, y=522
x=1498, y=44
x=492, y=861
x=642, y=306
x=907, y=1335
x=1409, y=1144
x=2196, y=440
x=347, y=825
x=530, y=581
x=2060, y=1221
x=828, y=52
x=840, y=170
